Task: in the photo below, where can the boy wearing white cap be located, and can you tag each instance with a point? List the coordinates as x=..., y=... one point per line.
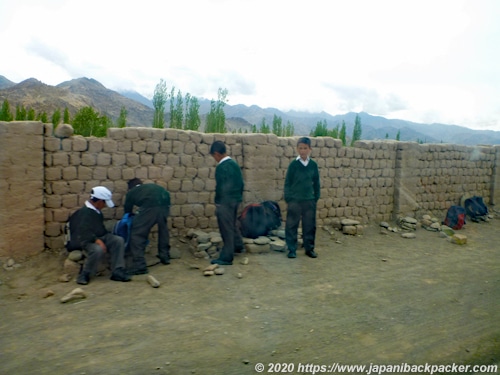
x=89, y=234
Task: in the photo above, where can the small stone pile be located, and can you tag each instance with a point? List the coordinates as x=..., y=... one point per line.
x=352, y=227
x=10, y=265
x=407, y=223
x=207, y=245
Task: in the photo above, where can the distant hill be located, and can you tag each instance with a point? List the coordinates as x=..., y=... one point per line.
x=78, y=93
x=134, y=95
x=5, y=83
x=74, y=95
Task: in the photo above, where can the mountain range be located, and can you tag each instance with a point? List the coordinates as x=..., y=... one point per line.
x=82, y=92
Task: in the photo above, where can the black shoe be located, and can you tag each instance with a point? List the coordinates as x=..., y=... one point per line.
x=83, y=278
x=138, y=271
x=311, y=254
x=292, y=254
x=120, y=275
x=221, y=262
x=239, y=250
x=164, y=260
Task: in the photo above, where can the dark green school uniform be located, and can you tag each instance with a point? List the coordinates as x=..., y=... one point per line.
x=302, y=191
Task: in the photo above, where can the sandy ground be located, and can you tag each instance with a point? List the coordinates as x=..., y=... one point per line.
x=366, y=300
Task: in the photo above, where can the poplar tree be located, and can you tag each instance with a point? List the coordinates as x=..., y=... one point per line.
x=20, y=113
x=5, y=114
x=56, y=117
x=159, y=100
x=66, y=118
x=216, y=118
x=264, y=128
x=356, y=132
x=122, y=119
x=193, y=120
x=277, y=126
x=342, y=134
x=289, y=129
x=31, y=114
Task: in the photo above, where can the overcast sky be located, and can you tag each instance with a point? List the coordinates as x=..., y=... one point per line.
x=419, y=60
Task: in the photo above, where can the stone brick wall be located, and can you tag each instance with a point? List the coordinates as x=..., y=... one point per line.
x=371, y=182
x=21, y=189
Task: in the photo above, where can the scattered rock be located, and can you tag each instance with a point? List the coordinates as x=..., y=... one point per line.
x=75, y=255
x=349, y=229
x=47, y=293
x=253, y=248
x=219, y=271
x=64, y=278
x=70, y=267
x=244, y=261
x=10, y=265
x=447, y=230
x=278, y=245
x=384, y=224
x=152, y=281
x=175, y=253
x=204, y=246
x=211, y=267
x=459, y=239
x=216, y=239
x=408, y=235
x=208, y=273
x=239, y=275
x=349, y=222
x=262, y=240
x=76, y=293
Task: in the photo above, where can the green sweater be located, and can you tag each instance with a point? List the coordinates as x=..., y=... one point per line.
x=301, y=182
x=146, y=196
x=229, y=182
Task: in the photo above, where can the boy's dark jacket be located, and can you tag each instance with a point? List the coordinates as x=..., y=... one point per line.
x=302, y=182
x=86, y=225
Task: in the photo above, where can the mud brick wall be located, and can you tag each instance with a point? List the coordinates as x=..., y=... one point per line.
x=433, y=177
x=22, y=220
x=45, y=178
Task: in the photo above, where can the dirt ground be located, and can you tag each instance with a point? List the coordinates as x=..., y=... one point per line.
x=372, y=299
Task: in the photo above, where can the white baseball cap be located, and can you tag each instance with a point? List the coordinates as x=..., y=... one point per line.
x=101, y=192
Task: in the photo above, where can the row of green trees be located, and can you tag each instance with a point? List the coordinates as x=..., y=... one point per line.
x=184, y=111
x=86, y=122
x=339, y=132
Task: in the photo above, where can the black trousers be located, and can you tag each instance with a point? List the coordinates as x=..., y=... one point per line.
x=94, y=253
x=226, y=219
x=142, y=223
x=305, y=210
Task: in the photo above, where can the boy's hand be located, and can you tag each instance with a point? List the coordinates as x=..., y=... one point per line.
x=101, y=244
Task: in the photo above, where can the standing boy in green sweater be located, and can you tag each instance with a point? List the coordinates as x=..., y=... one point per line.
x=302, y=191
x=228, y=196
x=153, y=202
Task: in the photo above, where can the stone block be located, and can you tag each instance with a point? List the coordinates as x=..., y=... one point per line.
x=253, y=248
x=459, y=239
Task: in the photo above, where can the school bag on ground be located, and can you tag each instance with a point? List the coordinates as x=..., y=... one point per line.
x=455, y=217
x=257, y=219
x=475, y=208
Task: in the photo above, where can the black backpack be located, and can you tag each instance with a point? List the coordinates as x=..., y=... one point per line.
x=455, y=217
x=257, y=219
x=475, y=208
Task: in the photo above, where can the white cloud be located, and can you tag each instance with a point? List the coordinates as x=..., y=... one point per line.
x=425, y=61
